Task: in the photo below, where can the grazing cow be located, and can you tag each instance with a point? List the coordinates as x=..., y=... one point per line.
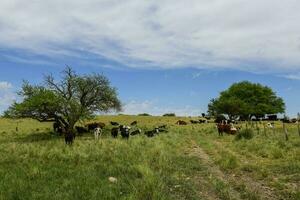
x=115, y=132
x=136, y=132
x=97, y=133
x=124, y=131
x=114, y=123
x=133, y=123
x=69, y=137
x=181, y=122
x=92, y=126
x=194, y=121
x=81, y=130
x=152, y=132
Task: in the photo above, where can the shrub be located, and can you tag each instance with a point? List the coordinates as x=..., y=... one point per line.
x=245, y=133
x=169, y=115
x=144, y=114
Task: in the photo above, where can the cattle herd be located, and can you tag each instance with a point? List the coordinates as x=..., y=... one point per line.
x=117, y=129
x=223, y=126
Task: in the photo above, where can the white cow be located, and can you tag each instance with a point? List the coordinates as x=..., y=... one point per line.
x=97, y=132
x=270, y=125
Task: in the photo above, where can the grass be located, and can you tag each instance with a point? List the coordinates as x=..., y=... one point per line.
x=36, y=164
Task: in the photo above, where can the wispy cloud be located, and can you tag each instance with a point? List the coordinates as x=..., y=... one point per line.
x=167, y=34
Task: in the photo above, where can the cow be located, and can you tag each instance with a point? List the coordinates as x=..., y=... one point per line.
x=115, y=132
x=114, y=123
x=124, y=131
x=97, y=133
x=152, y=132
x=136, y=132
x=92, y=126
x=133, y=123
x=69, y=137
x=227, y=128
x=181, y=122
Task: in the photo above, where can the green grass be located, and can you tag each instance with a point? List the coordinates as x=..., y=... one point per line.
x=36, y=164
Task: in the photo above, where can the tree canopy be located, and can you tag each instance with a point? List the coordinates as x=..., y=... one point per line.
x=245, y=100
x=68, y=100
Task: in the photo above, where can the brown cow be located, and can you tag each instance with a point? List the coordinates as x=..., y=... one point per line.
x=227, y=128
x=181, y=122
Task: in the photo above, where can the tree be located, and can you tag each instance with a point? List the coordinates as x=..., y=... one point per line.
x=245, y=100
x=67, y=101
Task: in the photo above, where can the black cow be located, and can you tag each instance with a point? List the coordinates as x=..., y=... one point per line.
x=201, y=121
x=194, y=121
x=115, y=132
x=124, y=131
x=114, y=123
x=69, y=137
x=181, y=122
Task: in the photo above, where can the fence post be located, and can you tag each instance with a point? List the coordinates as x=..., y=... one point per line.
x=285, y=131
x=298, y=123
x=264, y=128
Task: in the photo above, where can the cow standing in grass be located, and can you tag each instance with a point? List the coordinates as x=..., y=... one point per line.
x=97, y=133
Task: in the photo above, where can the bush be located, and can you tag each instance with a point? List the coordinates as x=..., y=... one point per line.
x=144, y=114
x=245, y=133
x=169, y=115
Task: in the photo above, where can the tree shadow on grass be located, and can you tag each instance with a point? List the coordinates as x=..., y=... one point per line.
x=39, y=136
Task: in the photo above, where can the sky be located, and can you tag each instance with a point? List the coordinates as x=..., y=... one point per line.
x=163, y=56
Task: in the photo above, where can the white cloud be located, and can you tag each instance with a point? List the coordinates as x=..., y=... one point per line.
x=153, y=108
x=5, y=85
x=7, y=96
x=169, y=34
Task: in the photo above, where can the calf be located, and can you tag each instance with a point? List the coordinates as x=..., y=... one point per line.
x=97, y=133
x=115, y=132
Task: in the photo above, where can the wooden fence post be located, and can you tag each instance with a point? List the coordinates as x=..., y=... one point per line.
x=285, y=131
x=264, y=128
x=298, y=123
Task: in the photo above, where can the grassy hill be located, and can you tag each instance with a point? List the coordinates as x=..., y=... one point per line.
x=188, y=162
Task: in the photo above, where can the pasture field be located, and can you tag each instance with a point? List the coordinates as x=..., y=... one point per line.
x=188, y=162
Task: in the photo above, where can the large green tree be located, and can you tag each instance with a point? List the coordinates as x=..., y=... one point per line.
x=66, y=101
x=246, y=99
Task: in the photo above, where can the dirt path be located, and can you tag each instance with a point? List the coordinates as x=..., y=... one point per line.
x=196, y=150
x=252, y=185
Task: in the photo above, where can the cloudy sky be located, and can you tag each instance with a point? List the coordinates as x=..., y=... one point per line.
x=163, y=56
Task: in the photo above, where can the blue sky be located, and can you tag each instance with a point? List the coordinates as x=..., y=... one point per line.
x=163, y=56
